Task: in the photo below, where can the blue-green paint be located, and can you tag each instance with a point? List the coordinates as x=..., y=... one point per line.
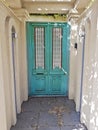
x=48, y=81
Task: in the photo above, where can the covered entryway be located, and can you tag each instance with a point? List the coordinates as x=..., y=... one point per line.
x=48, y=58
x=58, y=85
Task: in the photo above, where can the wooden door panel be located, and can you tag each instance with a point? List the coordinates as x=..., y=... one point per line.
x=39, y=85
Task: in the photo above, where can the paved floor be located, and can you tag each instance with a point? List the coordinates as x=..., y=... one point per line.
x=56, y=113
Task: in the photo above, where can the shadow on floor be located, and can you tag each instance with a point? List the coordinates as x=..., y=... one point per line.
x=54, y=113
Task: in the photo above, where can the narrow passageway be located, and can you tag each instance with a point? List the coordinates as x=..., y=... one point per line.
x=54, y=113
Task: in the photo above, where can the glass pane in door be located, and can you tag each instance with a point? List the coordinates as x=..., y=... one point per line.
x=57, y=47
x=39, y=47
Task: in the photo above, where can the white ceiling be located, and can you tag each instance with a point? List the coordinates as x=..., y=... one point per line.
x=14, y=3
x=54, y=6
x=50, y=6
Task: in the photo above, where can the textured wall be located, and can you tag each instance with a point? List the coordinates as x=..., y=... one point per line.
x=89, y=99
x=7, y=92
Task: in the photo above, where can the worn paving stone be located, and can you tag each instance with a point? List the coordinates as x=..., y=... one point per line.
x=70, y=104
x=27, y=120
x=49, y=128
x=61, y=101
x=74, y=127
x=71, y=118
x=48, y=113
x=27, y=115
x=23, y=124
x=31, y=107
x=13, y=128
x=47, y=104
x=67, y=128
x=47, y=119
x=46, y=108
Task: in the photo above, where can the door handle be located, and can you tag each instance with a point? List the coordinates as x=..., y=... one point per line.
x=64, y=71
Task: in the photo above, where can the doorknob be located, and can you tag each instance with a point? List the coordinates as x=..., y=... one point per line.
x=64, y=71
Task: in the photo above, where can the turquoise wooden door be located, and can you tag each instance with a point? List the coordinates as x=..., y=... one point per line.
x=48, y=58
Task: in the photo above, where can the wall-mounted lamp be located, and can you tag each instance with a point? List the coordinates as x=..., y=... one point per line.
x=14, y=35
x=81, y=33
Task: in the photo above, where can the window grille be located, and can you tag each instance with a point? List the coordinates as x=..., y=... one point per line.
x=39, y=47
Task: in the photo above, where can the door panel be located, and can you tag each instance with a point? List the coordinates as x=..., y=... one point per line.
x=55, y=84
x=58, y=86
x=48, y=58
x=39, y=86
x=39, y=66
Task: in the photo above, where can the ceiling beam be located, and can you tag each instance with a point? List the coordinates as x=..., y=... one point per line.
x=48, y=1
x=50, y=7
x=14, y=3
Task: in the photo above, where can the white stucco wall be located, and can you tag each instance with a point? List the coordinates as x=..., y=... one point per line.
x=3, y=121
x=73, y=60
x=7, y=90
x=89, y=105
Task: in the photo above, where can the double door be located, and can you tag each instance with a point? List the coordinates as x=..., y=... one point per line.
x=48, y=58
